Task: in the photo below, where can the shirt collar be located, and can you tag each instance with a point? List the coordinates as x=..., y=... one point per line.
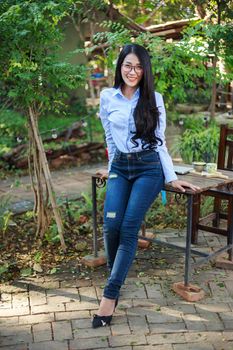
x=118, y=91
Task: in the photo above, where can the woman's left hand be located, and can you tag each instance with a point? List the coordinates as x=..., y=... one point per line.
x=180, y=185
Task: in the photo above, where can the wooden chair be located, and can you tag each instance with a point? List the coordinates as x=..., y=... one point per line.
x=225, y=162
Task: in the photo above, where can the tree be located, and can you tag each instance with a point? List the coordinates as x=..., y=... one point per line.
x=218, y=32
x=35, y=80
x=155, y=11
x=176, y=66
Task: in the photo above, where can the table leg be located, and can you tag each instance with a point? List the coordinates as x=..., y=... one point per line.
x=188, y=240
x=230, y=227
x=94, y=217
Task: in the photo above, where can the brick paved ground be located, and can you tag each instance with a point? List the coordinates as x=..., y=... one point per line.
x=54, y=313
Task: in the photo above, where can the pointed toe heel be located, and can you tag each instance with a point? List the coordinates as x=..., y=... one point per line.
x=101, y=321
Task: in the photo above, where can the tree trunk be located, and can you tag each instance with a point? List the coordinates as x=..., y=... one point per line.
x=41, y=181
x=214, y=90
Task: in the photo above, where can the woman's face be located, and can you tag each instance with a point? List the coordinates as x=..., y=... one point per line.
x=131, y=70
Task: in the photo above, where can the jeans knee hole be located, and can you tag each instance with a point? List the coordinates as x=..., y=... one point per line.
x=111, y=215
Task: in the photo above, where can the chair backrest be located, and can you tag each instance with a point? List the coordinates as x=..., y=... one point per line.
x=225, y=149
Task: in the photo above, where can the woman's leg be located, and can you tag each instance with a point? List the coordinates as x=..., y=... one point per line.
x=117, y=196
x=144, y=191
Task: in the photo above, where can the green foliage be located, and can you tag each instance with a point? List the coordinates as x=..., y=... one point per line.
x=199, y=143
x=155, y=11
x=5, y=214
x=31, y=72
x=52, y=235
x=12, y=125
x=180, y=68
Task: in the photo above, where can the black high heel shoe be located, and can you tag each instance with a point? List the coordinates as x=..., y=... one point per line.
x=102, y=321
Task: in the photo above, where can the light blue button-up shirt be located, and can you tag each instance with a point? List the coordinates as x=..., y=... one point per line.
x=116, y=113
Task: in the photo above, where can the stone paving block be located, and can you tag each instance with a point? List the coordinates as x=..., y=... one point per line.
x=37, y=297
x=153, y=347
x=160, y=317
x=223, y=346
x=9, y=321
x=228, y=325
x=124, y=304
x=99, y=292
x=61, y=299
x=132, y=291
x=152, y=302
x=226, y=316
x=20, y=300
x=42, y=332
x=62, y=330
x=49, y=284
x=91, y=332
x=81, y=323
x=87, y=293
x=122, y=340
x=184, y=308
x=203, y=337
x=216, y=307
x=83, y=305
x=195, y=326
x=15, y=347
x=209, y=316
x=5, y=305
x=71, y=291
x=167, y=327
x=153, y=292
x=194, y=346
x=70, y=315
x=16, y=339
x=62, y=295
x=13, y=330
x=14, y=312
x=6, y=297
x=75, y=283
x=173, y=338
x=39, y=309
x=138, y=325
x=119, y=319
x=218, y=290
x=84, y=344
x=17, y=287
x=119, y=348
x=214, y=326
x=49, y=345
x=40, y=318
x=227, y=335
x=120, y=329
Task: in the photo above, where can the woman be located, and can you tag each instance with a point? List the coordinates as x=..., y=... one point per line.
x=134, y=120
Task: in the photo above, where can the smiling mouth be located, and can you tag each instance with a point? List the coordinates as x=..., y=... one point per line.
x=132, y=79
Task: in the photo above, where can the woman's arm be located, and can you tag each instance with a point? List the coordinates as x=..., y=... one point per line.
x=106, y=125
x=166, y=161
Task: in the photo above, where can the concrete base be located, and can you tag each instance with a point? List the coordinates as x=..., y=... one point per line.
x=92, y=261
x=145, y=244
x=224, y=263
x=189, y=292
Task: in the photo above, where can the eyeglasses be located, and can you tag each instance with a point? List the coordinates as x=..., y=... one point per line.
x=128, y=67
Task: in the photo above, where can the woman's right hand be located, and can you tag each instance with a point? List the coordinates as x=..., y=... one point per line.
x=103, y=174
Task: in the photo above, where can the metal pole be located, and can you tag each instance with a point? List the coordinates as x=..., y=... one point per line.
x=188, y=239
x=94, y=217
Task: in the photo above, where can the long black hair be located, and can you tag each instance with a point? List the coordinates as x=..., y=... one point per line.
x=146, y=113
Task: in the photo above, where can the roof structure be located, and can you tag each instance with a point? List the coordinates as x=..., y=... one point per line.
x=168, y=30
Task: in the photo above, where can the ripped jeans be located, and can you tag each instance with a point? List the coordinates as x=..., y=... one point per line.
x=134, y=181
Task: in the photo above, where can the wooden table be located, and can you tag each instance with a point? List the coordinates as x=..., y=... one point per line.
x=223, y=186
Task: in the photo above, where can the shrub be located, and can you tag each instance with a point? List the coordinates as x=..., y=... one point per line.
x=199, y=143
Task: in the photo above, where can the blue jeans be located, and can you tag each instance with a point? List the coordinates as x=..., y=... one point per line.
x=134, y=181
